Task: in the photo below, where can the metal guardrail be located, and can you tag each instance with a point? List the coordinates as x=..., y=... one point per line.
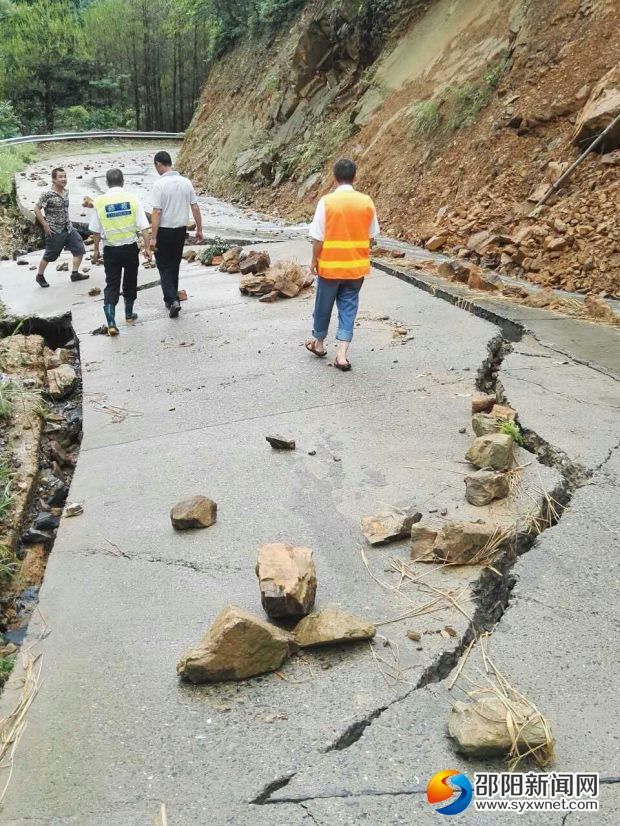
x=100, y=133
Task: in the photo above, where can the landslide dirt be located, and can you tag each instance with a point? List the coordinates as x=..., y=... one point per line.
x=453, y=180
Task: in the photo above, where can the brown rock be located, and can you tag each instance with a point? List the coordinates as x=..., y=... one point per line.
x=482, y=487
x=602, y=107
x=197, y=512
x=454, y=271
x=482, y=403
x=281, y=442
x=478, y=241
x=190, y=256
x=436, y=242
x=54, y=358
x=269, y=298
x=238, y=645
x=287, y=579
x=61, y=381
x=599, y=308
x=504, y=412
x=495, y=451
x=462, y=543
x=484, y=423
x=480, y=729
x=422, y=539
x=388, y=527
x=555, y=244
x=487, y=281
x=330, y=627
x=255, y=262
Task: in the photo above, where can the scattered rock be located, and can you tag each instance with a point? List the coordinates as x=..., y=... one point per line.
x=482, y=403
x=94, y=291
x=484, y=423
x=461, y=543
x=330, y=627
x=495, y=451
x=63, y=267
x=190, y=255
x=482, y=487
x=462, y=430
x=73, y=509
x=255, y=262
x=602, y=107
x=414, y=635
x=21, y=262
x=422, y=540
x=196, y=512
x=287, y=579
x=599, y=308
x=281, y=442
x=34, y=537
x=269, y=298
x=487, y=282
x=54, y=358
x=389, y=526
x=45, y=522
x=436, y=242
x=182, y=295
x=504, y=412
x=480, y=729
x=238, y=645
x=61, y=381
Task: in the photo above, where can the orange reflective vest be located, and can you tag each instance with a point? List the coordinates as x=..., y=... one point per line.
x=346, y=247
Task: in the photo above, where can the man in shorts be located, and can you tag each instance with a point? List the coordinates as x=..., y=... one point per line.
x=52, y=212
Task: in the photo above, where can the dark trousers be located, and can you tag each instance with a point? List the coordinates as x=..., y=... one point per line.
x=120, y=262
x=170, y=241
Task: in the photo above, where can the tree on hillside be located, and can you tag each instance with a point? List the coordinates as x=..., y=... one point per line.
x=41, y=59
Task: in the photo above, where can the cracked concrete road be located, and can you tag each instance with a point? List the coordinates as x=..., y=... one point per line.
x=174, y=408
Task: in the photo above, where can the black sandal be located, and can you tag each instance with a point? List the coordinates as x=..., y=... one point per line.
x=41, y=280
x=310, y=347
x=344, y=367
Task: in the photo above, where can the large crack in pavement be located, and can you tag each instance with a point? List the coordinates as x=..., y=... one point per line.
x=492, y=593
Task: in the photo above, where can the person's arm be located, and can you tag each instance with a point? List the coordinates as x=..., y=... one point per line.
x=316, y=231
x=96, y=242
x=146, y=240
x=155, y=221
x=38, y=214
x=317, y=246
x=198, y=219
x=374, y=228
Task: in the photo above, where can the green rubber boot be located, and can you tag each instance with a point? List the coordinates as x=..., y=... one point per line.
x=110, y=317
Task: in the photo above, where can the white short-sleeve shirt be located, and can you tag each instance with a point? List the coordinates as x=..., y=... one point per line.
x=316, y=230
x=142, y=222
x=173, y=194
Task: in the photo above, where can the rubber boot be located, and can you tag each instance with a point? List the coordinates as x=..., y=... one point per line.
x=130, y=316
x=110, y=314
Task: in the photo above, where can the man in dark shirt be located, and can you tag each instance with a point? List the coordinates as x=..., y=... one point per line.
x=52, y=212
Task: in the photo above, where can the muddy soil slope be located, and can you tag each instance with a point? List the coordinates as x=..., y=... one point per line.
x=458, y=112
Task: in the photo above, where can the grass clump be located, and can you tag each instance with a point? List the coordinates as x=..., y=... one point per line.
x=466, y=101
x=6, y=666
x=12, y=160
x=218, y=247
x=425, y=118
x=512, y=429
x=6, y=497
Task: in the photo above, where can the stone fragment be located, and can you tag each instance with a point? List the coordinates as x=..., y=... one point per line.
x=255, y=262
x=484, y=423
x=504, y=412
x=61, y=381
x=287, y=579
x=436, y=242
x=281, y=442
x=54, y=358
x=269, y=298
x=45, y=522
x=415, y=636
x=495, y=451
x=461, y=542
x=602, y=107
x=62, y=267
x=482, y=487
x=555, y=244
x=482, y=403
x=599, y=308
x=454, y=271
x=481, y=729
x=389, y=526
x=93, y=290
x=478, y=240
x=196, y=512
x=422, y=539
x=73, y=509
x=485, y=281
x=238, y=645
x=331, y=626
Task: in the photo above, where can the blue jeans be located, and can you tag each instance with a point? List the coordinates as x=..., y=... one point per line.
x=345, y=292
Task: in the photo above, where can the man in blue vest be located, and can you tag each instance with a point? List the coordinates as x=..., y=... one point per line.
x=117, y=218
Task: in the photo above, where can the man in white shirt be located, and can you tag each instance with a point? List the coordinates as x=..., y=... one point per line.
x=117, y=217
x=173, y=198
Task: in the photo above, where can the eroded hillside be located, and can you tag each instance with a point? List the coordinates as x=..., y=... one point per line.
x=457, y=111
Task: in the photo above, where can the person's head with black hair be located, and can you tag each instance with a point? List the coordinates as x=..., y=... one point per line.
x=59, y=177
x=163, y=161
x=345, y=171
x=114, y=177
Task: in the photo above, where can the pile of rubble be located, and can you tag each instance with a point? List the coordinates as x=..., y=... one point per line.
x=239, y=645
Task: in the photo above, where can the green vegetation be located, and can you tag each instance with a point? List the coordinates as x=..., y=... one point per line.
x=218, y=247
x=6, y=496
x=12, y=159
x=512, y=429
x=6, y=666
x=425, y=117
x=96, y=64
x=324, y=144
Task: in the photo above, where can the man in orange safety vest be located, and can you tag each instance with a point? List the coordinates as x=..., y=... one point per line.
x=344, y=224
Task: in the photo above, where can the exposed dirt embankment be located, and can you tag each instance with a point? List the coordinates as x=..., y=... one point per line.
x=456, y=110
